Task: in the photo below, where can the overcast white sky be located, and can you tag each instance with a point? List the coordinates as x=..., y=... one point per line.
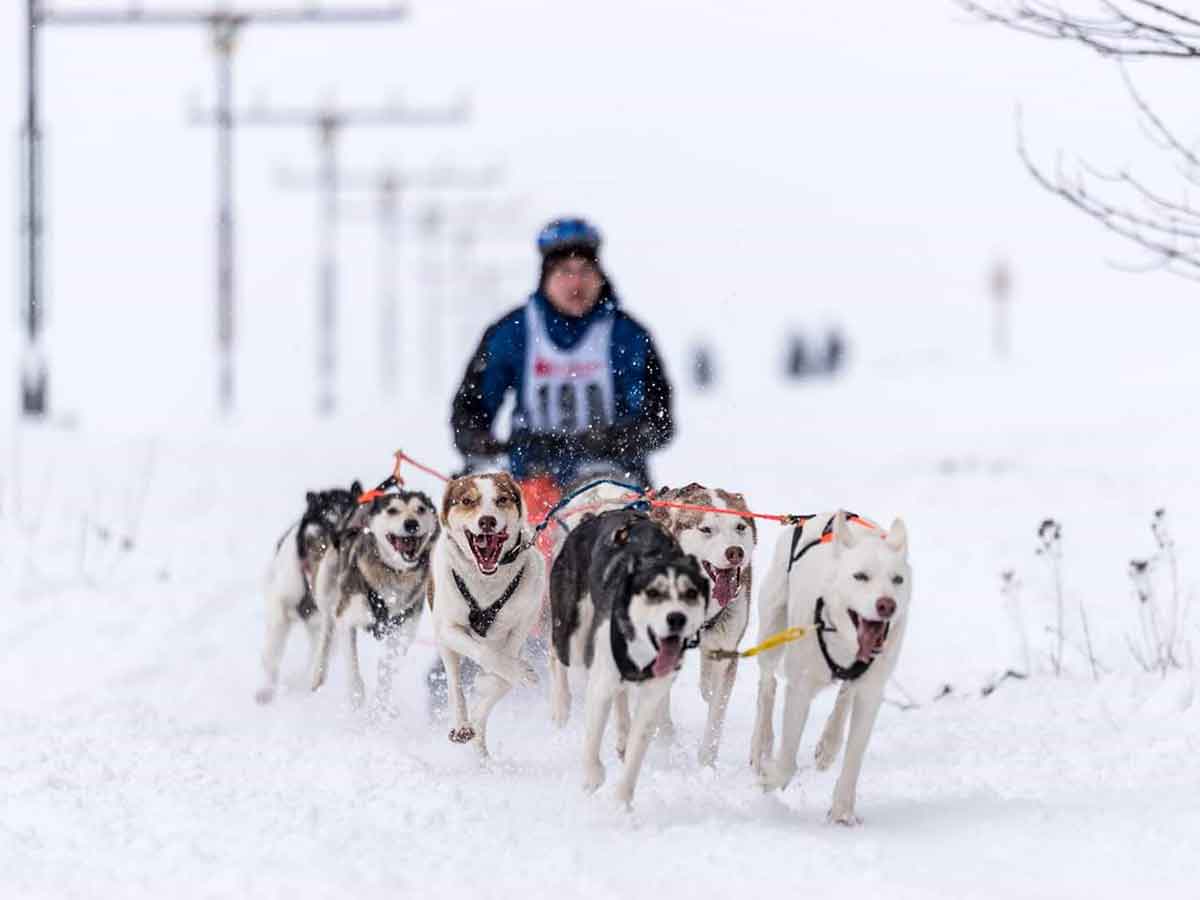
x=753, y=166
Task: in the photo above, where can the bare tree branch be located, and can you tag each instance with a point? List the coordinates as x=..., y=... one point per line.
x=1153, y=30
x=1164, y=224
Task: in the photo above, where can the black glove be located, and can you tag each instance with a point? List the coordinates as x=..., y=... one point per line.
x=605, y=443
x=481, y=443
x=545, y=445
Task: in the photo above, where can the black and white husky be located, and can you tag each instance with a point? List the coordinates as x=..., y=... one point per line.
x=289, y=589
x=377, y=582
x=626, y=602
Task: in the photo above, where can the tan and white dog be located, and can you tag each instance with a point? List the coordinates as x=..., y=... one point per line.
x=724, y=545
x=377, y=581
x=850, y=585
x=488, y=586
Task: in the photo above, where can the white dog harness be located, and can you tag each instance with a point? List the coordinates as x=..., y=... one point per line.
x=567, y=390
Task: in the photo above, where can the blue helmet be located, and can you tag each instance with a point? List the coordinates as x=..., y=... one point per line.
x=562, y=234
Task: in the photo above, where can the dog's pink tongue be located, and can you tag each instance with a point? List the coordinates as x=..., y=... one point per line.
x=669, y=651
x=870, y=638
x=724, y=585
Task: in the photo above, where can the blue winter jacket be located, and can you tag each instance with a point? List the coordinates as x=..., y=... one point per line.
x=642, y=397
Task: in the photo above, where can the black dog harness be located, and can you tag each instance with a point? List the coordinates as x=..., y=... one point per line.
x=384, y=623
x=481, y=618
x=839, y=672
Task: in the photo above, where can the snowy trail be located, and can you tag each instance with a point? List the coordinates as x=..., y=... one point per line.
x=134, y=762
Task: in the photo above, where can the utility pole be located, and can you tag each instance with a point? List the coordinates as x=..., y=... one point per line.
x=450, y=237
x=388, y=184
x=1000, y=285
x=329, y=123
x=224, y=25
x=34, y=375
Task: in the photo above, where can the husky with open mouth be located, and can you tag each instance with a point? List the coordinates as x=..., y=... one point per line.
x=293, y=571
x=377, y=582
x=488, y=585
x=850, y=585
x=724, y=544
x=626, y=603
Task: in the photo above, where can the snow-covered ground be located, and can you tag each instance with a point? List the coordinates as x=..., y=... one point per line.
x=134, y=762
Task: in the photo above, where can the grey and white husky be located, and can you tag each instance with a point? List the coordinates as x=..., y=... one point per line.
x=377, y=582
x=290, y=578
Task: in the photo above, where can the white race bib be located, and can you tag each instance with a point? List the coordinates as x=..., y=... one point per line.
x=567, y=390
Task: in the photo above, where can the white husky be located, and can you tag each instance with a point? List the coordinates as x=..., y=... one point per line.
x=850, y=584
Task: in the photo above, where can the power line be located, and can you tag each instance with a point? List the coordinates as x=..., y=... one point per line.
x=388, y=184
x=329, y=123
x=224, y=24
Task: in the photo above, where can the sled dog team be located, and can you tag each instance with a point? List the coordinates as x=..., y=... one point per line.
x=630, y=593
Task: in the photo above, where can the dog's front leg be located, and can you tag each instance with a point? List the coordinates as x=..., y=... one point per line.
x=652, y=695
x=462, y=732
x=862, y=722
x=797, y=699
x=560, y=691
x=277, y=633
x=622, y=707
x=721, y=675
x=666, y=725
x=358, y=690
x=320, y=659
x=762, y=739
x=600, y=690
x=386, y=670
x=397, y=645
x=489, y=690
x=830, y=743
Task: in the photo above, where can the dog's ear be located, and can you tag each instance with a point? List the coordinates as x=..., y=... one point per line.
x=311, y=498
x=897, y=537
x=843, y=534
x=356, y=489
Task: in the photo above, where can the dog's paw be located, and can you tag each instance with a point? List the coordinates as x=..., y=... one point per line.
x=845, y=817
x=826, y=754
x=358, y=694
x=462, y=735
x=775, y=776
x=264, y=695
x=707, y=755
x=593, y=777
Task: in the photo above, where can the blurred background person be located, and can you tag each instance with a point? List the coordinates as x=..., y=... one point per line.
x=592, y=398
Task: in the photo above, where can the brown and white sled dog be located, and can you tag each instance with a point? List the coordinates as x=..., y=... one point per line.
x=488, y=582
x=290, y=578
x=377, y=582
x=724, y=545
x=626, y=604
x=850, y=584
